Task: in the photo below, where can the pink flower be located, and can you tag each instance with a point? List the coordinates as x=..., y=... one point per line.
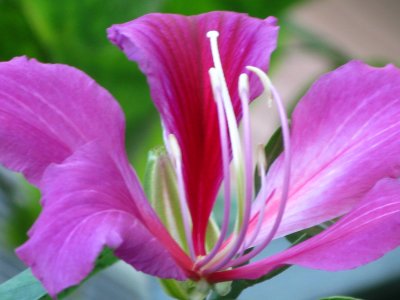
x=66, y=135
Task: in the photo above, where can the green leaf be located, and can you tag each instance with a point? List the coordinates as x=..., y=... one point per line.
x=274, y=147
x=25, y=286
x=161, y=188
x=301, y=236
x=272, y=150
x=340, y=298
x=260, y=9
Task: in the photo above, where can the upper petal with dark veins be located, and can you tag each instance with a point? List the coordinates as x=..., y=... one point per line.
x=174, y=53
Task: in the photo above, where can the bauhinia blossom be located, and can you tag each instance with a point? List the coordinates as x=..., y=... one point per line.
x=341, y=158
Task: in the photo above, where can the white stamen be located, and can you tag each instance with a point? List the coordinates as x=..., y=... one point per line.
x=261, y=166
x=174, y=148
x=213, y=36
x=225, y=166
x=244, y=88
x=215, y=84
x=177, y=156
x=267, y=85
x=241, y=174
x=219, y=79
x=286, y=166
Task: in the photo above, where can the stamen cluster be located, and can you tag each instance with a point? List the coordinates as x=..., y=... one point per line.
x=229, y=252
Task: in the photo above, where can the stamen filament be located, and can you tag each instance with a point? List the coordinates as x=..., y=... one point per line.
x=261, y=166
x=287, y=166
x=174, y=148
x=226, y=99
x=242, y=169
x=247, y=180
x=225, y=165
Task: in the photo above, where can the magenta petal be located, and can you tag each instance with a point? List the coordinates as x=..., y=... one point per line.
x=66, y=134
x=364, y=235
x=88, y=207
x=345, y=137
x=174, y=53
x=47, y=111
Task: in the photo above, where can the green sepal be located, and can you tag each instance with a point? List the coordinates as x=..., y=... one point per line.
x=161, y=187
x=222, y=288
x=177, y=289
x=201, y=290
x=186, y=290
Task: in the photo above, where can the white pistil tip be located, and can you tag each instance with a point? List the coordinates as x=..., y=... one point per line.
x=244, y=85
x=174, y=146
x=212, y=34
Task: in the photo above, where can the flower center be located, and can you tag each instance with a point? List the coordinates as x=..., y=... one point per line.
x=229, y=252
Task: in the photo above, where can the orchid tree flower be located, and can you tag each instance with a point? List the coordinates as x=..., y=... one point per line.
x=341, y=159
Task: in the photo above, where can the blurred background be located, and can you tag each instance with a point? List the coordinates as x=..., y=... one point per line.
x=315, y=36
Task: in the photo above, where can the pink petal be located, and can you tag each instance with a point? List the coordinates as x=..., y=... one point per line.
x=345, y=137
x=47, y=111
x=88, y=206
x=364, y=235
x=174, y=53
x=66, y=134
